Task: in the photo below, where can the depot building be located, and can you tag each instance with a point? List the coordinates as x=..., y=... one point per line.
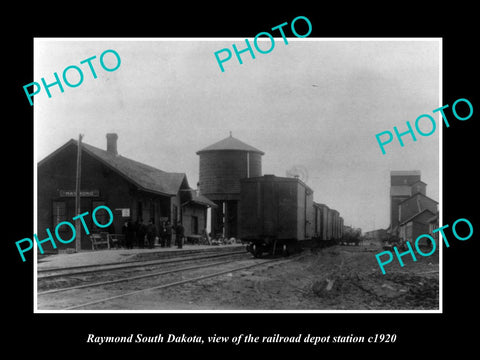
x=132, y=190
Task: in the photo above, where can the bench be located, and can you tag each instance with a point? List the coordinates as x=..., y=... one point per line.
x=100, y=239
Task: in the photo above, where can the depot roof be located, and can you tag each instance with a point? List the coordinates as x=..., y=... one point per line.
x=144, y=176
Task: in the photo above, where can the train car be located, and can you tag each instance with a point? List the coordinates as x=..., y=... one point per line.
x=324, y=222
x=351, y=236
x=276, y=214
x=329, y=224
x=333, y=220
x=335, y=225
x=322, y=230
x=341, y=227
x=317, y=220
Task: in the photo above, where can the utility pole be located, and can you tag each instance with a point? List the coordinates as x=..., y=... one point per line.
x=78, y=228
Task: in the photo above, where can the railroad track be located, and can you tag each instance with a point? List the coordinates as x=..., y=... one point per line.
x=140, y=283
x=64, y=279
x=87, y=269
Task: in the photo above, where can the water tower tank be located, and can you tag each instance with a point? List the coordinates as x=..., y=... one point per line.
x=223, y=164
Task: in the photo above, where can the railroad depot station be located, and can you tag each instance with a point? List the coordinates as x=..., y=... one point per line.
x=135, y=191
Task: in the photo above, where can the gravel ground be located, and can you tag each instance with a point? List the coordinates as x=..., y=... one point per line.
x=336, y=278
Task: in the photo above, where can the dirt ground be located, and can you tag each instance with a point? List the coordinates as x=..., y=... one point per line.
x=341, y=277
x=336, y=278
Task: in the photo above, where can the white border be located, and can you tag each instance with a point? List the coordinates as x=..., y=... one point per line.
x=439, y=311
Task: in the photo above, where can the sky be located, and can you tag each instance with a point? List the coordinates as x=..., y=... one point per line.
x=314, y=104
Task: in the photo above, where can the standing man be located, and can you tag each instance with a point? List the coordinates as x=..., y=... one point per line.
x=151, y=233
x=168, y=233
x=163, y=234
x=179, y=231
x=129, y=232
x=141, y=230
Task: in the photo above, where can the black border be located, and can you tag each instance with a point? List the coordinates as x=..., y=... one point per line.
x=56, y=333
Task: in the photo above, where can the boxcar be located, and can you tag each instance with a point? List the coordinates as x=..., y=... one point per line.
x=276, y=213
x=317, y=220
x=335, y=225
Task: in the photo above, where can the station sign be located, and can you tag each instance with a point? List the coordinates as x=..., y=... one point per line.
x=83, y=193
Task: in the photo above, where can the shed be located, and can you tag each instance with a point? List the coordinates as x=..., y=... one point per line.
x=415, y=226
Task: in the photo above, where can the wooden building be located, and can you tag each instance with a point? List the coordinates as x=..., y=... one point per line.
x=410, y=207
x=415, y=226
x=132, y=190
x=433, y=224
x=401, y=185
x=414, y=205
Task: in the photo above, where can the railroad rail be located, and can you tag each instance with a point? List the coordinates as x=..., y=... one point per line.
x=96, y=268
x=130, y=278
x=252, y=263
x=98, y=275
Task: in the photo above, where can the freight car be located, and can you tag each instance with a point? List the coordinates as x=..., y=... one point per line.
x=323, y=225
x=278, y=215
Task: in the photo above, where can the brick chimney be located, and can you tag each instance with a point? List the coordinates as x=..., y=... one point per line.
x=112, y=143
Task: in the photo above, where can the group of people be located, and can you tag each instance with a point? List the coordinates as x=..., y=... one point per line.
x=143, y=235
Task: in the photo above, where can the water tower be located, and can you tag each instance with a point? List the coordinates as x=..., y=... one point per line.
x=222, y=165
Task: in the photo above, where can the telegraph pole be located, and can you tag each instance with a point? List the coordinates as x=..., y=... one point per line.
x=78, y=228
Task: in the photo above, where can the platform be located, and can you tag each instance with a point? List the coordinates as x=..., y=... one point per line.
x=99, y=257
